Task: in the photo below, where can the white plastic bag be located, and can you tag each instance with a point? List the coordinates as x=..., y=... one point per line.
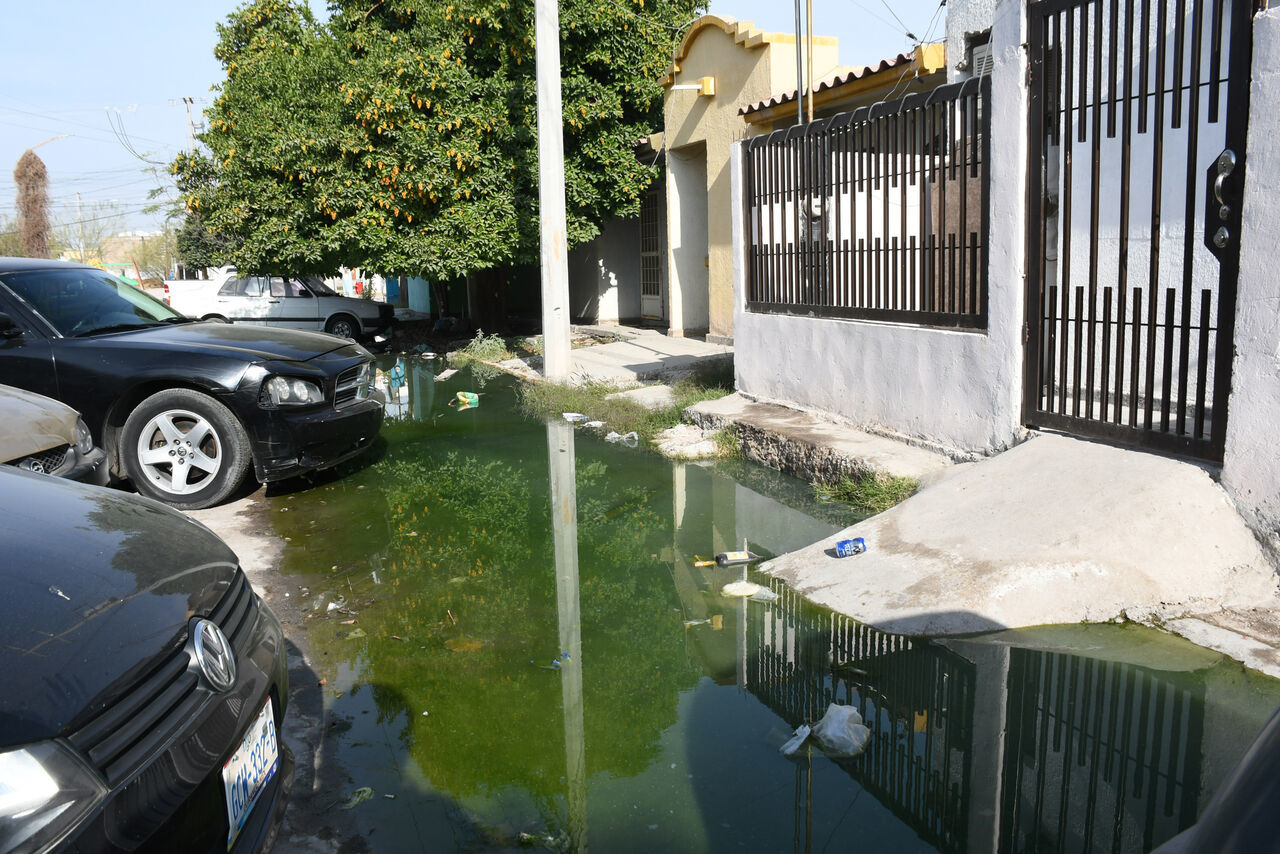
x=840, y=733
x=793, y=743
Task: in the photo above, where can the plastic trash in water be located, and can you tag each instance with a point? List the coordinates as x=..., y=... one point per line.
x=573, y=417
x=764, y=594
x=730, y=559
x=741, y=589
x=841, y=733
x=849, y=548
x=359, y=796
x=466, y=400
x=793, y=743
x=631, y=439
x=445, y=374
x=556, y=663
x=595, y=424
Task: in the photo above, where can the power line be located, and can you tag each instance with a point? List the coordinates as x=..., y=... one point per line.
x=910, y=34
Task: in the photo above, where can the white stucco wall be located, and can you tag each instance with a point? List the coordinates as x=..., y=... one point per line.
x=604, y=275
x=961, y=390
x=1251, y=468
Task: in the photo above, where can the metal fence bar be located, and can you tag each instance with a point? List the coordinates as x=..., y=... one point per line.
x=831, y=224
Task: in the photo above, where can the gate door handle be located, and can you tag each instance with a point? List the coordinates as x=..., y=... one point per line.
x=1221, y=214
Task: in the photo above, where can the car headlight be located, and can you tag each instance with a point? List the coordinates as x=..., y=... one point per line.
x=84, y=439
x=45, y=792
x=367, y=374
x=289, y=391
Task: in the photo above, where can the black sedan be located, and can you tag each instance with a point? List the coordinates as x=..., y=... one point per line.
x=183, y=408
x=144, y=681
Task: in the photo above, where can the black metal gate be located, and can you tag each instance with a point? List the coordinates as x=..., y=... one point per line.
x=1138, y=113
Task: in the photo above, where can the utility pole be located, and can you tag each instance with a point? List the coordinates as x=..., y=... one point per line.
x=808, y=37
x=84, y=255
x=191, y=126
x=799, y=68
x=551, y=206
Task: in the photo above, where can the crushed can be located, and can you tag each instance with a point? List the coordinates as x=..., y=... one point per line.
x=849, y=548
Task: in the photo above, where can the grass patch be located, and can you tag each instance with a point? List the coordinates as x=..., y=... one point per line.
x=868, y=493
x=548, y=400
x=726, y=439
x=482, y=348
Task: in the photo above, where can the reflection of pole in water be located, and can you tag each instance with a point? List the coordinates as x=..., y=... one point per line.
x=564, y=520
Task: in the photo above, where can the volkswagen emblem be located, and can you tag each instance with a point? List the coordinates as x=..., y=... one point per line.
x=214, y=655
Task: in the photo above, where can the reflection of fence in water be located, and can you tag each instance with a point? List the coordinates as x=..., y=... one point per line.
x=915, y=696
x=1099, y=756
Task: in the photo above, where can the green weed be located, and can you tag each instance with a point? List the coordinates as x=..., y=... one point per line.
x=868, y=493
x=483, y=348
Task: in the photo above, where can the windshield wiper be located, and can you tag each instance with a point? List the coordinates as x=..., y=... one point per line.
x=182, y=318
x=115, y=327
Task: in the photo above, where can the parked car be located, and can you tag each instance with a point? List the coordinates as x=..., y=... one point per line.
x=39, y=434
x=1241, y=817
x=183, y=408
x=145, y=682
x=295, y=302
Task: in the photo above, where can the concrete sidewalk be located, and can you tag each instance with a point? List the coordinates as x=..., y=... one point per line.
x=641, y=355
x=1056, y=530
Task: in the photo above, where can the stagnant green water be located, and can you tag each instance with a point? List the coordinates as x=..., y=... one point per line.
x=519, y=648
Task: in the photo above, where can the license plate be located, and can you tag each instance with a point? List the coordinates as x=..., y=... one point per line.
x=247, y=771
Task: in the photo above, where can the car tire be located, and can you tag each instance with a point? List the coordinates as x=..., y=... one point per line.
x=343, y=325
x=154, y=441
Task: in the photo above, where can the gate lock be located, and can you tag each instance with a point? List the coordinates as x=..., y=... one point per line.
x=1220, y=215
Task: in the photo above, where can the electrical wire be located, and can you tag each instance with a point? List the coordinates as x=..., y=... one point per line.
x=908, y=32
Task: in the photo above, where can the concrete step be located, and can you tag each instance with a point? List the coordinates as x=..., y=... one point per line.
x=811, y=446
x=1055, y=530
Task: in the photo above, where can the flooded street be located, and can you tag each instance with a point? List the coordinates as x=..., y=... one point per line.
x=519, y=651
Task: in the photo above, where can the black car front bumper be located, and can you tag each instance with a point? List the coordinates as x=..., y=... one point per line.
x=167, y=791
x=287, y=444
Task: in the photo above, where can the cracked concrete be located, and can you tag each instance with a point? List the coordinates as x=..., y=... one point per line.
x=1056, y=530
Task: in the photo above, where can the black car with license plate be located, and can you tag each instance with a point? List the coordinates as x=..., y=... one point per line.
x=183, y=408
x=145, y=682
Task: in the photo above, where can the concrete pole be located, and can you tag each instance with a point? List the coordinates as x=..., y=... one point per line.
x=808, y=52
x=799, y=68
x=84, y=255
x=551, y=212
x=564, y=523
x=191, y=127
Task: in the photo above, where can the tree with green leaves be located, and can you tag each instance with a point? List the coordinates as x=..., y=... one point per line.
x=401, y=135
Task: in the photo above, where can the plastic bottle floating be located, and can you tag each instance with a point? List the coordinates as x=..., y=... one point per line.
x=730, y=559
x=466, y=400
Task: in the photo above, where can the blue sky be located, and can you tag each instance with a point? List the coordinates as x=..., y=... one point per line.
x=90, y=69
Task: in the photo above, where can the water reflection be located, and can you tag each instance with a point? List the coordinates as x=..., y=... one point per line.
x=672, y=699
x=564, y=520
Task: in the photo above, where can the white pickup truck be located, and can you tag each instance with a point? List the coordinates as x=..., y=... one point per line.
x=297, y=302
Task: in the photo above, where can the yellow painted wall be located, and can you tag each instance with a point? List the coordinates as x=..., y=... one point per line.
x=747, y=66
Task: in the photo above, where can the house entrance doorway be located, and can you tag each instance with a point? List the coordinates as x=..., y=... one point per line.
x=653, y=252
x=1138, y=113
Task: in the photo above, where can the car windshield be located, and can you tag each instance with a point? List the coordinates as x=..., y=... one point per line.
x=318, y=287
x=78, y=301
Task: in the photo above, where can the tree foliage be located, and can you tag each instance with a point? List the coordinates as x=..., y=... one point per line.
x=199, y=247
x=31, y=179
x=402, y=135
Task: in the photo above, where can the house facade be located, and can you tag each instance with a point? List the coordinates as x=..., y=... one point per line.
x=1067, y=236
